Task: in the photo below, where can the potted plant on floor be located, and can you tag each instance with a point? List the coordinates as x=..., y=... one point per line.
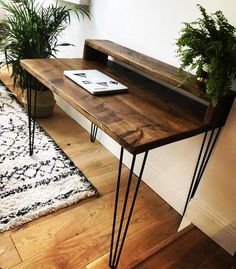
x=208, y=45
x=31, y=30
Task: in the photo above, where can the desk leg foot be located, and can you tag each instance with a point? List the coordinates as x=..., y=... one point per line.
x=93, y=133
x=203, y=158
x=31, y=114
x=117, y=245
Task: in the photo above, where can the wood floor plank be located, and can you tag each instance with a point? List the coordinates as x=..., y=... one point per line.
x=218, y=260
x=93, y=243
x=140, y=241
x=101, y=262
x=73, y=253
x=193, y=250
x=65, y=225
x=8, y=253
x=46, y=234
x=152, y=251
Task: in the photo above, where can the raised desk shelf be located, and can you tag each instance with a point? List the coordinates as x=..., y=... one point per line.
x=100, y=49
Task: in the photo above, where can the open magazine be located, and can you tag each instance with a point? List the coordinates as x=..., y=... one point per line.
x=95, y=81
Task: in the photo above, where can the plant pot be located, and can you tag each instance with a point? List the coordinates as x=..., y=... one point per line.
x=45, y=103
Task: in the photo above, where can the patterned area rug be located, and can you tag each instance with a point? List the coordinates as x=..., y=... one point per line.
x=33, y=186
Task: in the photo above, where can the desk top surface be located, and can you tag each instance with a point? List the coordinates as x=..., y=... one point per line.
x=147, y=116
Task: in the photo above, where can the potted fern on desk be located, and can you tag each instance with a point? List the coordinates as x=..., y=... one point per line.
x=31, y=30
x=208, y=45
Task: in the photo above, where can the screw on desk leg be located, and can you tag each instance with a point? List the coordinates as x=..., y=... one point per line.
x=93, y=133
x=115, y=253
x=31, y=116
x=202, y=162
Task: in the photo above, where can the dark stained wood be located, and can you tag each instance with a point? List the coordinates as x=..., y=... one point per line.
x=217, y=116
x=149, y=115
x=156, y=68
x=193, y=250
x=93, y=54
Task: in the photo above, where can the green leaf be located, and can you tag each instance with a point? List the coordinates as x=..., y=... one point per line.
x=31, y=30
x=209, y=40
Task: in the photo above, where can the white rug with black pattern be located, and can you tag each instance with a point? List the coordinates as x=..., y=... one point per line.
x=33, y=186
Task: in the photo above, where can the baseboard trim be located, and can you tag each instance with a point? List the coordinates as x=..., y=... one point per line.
x=212, y=225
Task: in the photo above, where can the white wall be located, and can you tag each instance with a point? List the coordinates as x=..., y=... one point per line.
x=213, y=209
x=151, y=27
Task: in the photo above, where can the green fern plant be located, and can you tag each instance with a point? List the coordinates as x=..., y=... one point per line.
x=31, y=30
x=211, y=41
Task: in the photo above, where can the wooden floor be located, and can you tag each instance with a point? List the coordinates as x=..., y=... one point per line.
x=192, y=250
x=74, y=237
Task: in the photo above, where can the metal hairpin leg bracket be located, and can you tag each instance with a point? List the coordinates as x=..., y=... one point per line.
x=115, y=251
x=31, y=116
x=203, y=158
x=93, y=133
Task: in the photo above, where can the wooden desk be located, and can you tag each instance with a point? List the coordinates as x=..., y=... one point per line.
x=149, y=115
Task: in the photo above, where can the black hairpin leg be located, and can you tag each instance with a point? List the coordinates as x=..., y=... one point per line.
x=31, y=114
x=93, y=133
x=117, y=245
x=203, y=158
